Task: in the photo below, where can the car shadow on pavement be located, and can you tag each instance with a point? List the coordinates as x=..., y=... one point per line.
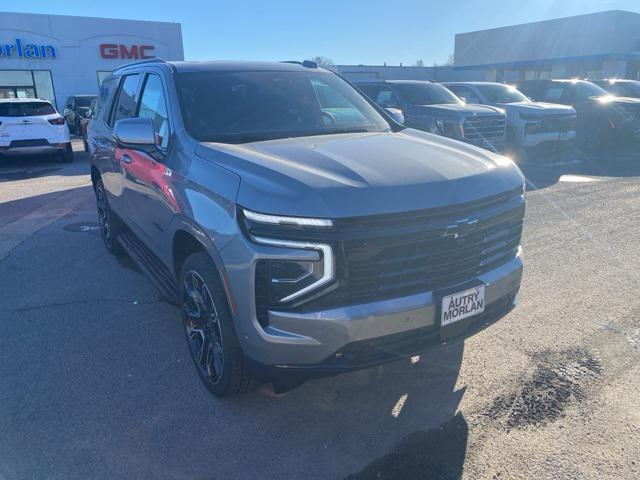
x=22, y=167
x=410, y=407
x=545, y=168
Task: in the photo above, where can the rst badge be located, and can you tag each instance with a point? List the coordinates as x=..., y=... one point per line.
x=459, y=306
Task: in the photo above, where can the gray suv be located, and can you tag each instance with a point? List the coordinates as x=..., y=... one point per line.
x=433, y=108
x=302, y=231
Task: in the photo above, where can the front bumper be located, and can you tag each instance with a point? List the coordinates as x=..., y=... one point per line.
x=311, y=339
x=536, y=139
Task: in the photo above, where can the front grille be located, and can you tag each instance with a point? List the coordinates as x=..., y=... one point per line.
x=431, y=258
x=557, y=123
x=39, y=142
x=393, y=255
x=485, y=127
x=631, y=110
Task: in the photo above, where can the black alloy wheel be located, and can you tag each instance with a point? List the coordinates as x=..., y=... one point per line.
x=209, y=328
x=108, y=223
x=202, y=327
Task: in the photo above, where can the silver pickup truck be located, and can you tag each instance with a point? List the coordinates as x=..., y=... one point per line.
x=530, y=123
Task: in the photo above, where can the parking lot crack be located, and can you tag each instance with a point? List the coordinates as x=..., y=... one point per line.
x=82, y=302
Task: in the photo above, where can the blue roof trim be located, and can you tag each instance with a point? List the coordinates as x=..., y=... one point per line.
x=603, y=56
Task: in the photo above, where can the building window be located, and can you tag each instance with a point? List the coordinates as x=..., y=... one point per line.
x=102, y=74
x=27, y=84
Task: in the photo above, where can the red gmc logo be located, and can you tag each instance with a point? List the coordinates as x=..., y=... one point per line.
x=112, y=50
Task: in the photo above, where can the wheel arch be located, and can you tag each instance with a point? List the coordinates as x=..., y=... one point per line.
x=187, y=239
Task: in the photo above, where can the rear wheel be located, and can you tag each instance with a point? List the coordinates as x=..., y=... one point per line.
x=109, y=223
x=209, y=328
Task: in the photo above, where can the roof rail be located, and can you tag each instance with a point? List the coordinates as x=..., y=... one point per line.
x=305, y=63
x=141, y=62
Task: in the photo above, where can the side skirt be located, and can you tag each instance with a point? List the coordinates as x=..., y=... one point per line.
x=150, y=264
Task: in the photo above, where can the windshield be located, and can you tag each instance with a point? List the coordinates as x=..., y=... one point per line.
x=84, y=101
x=26, y=109
x=237, y=107
x=426, y=94
x=497, y=93
x=588, y=89
x=624, y=89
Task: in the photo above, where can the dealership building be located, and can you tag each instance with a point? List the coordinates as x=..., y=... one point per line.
x=54, y=56
x=597, y=45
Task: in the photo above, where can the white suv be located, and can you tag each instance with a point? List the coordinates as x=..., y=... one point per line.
x=32, y=126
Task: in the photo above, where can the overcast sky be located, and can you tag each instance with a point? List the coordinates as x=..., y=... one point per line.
x=348, y=32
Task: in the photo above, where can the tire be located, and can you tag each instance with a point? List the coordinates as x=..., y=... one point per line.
x=209, y=330
x=109, y=223
x=67, y=155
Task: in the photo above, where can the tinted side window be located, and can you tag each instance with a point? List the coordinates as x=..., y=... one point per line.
x=106, y=92
x=153, y=106
x=127, y=99
x=554, y=92
x=386, y=98
x=369, y=90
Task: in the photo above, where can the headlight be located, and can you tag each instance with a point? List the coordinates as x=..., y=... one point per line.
x=530, y=117
x=450, y=127
x=534, y=123
x=280, y=220
x=289, y=279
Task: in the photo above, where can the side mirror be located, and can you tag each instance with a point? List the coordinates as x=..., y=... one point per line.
x=396, y=114
x=135, y=132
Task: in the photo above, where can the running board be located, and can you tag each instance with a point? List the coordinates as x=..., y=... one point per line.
x=150, y=265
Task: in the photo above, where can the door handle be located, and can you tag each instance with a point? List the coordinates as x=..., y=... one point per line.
x=126, y=158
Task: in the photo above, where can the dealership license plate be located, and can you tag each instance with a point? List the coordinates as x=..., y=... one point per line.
x=461, y=305
x=563, y=135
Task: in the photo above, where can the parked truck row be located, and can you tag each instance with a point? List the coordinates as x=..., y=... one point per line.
x=521, y=116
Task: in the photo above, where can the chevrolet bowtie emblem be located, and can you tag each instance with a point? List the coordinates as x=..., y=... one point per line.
x=461, y=228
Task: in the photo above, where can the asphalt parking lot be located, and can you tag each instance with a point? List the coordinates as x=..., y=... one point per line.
x=96, y=379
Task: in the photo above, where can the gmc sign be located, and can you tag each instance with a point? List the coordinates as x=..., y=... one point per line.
x=112, y=50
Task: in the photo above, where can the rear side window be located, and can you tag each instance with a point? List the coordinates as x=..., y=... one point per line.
x=127, y=99
x=26, y=109
x=386, y=98
x=369, y=90
x=555, y=92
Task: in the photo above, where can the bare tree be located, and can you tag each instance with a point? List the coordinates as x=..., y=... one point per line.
x=419, y=63
x=323, y=62
x=450, y=60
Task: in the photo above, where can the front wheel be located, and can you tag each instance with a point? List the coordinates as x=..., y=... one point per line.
x=209, y=328
x=109, y=223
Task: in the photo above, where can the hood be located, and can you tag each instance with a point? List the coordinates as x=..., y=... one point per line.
x=455, y=109
x=536, y=108
x=349, y=175
x=617, y=100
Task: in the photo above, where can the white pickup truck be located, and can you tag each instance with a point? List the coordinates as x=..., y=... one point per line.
x=530, y=123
